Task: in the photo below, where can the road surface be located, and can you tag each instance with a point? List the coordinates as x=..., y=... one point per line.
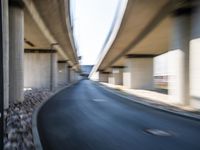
x=88, y=117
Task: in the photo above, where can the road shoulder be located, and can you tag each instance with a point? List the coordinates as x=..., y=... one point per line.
x=194, y=115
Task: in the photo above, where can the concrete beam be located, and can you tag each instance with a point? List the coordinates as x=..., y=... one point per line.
x=40, y=51
x=140, y=56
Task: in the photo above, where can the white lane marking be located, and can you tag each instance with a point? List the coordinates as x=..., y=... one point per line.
x=158, y=132
x=98, y=100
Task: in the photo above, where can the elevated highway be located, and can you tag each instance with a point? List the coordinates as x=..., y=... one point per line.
x=39, y=50
x=149, y=29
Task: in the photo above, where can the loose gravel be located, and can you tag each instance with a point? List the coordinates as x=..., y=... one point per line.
x=18, y=120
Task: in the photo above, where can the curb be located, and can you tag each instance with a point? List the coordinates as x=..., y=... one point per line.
x=112, y=90
x=36, y=137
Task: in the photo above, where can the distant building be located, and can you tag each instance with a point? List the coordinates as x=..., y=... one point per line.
x=86, y=69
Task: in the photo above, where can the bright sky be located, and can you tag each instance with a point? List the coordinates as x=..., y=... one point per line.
x=92, y=20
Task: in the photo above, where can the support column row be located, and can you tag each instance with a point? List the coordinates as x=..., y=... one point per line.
x=137, y=73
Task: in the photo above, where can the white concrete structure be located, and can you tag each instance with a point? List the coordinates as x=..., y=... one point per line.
x=72, y=74
x=76, y=76
x=53, y=71
x=103, y=76
x=62, y=73
x=179, y=59
x=5, y=52
x=16, y=52
x=111, y=79
x=138, y=73
x=96, y=76
x=116, y=77
x=195, y=58
x=37, y=69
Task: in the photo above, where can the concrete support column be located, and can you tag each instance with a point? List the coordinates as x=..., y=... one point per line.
x=178, y=83
x=71, y=74
x=38, y=68
x=62, y=72
x=103, y=77
x=5, y=52
x=195, y=58
x=110, y=78
x=53, y=72
x=76, y=75
x=117, y=75
x=16, y=51
x=138, y=73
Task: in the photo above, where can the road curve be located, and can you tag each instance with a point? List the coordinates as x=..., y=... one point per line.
x=88, y=117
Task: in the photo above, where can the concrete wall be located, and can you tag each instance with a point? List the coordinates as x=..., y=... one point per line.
x=72, y=75
x=117, y=76
x=111, y=79
x=37, y=70
x=62, y=73
x=195, y=59
x=103, y=77
x=138, y=73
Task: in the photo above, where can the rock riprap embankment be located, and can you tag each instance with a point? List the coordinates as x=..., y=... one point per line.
x=18, y=120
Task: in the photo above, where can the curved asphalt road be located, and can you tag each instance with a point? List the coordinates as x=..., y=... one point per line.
x=88, y=117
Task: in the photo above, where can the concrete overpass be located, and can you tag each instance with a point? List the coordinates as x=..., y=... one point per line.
x=39, y=50
x=148, y=29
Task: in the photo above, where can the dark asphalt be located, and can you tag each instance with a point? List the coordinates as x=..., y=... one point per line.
x=87, y=117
